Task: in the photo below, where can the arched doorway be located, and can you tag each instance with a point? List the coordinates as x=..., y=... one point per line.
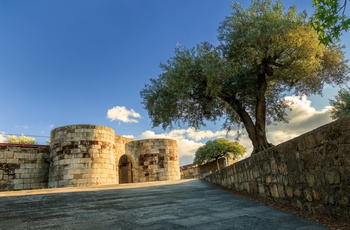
x=125, y=170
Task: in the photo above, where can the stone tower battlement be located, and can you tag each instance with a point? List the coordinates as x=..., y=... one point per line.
x=87, y=155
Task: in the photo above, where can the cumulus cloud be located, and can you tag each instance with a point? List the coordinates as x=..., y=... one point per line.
x=128, y=136
x=2, y=137
x=303, y=118
x=122, y=114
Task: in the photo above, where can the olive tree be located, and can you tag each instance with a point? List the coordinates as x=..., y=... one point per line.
x=264, y=53
x=216, y=149
x=13, y=139
x=341, y=104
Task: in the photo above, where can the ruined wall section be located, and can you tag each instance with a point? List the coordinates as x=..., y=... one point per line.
x=310, y=172
x=157, y=159
x=23, y=167
x=82, y=155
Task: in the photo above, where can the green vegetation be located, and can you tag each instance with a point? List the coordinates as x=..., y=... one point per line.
x=329, y=20
x=20, y=140
x=264, y=53
x=221, y=147
x=341, y=104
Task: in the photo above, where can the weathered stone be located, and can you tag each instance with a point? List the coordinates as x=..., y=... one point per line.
x=307, y=194
x=310, y=179
x=289, y=191
x=313, y=169
x=332, y=176
x=274, y=190
x=83, y=155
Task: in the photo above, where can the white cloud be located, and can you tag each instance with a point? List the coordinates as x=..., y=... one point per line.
x=185, y=146
x=121, y=113
x=303, y=118
x=204, y=134
x=2, y=137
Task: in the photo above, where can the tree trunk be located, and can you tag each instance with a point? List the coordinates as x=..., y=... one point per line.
x=260, y=115
x=256, y=131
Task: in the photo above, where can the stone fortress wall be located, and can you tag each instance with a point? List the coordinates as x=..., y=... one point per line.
x=310, y=172
x=23, y=167
x=87, y=155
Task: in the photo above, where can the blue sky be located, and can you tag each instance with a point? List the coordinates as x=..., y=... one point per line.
x=70, y=62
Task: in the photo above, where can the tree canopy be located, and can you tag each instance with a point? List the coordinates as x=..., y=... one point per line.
x=341, y=104
x=13, y=139
x=329, y=19
x=264, y=53
x=216, y=149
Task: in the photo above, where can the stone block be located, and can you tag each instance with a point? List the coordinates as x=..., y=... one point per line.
x=18, y=187
x=12, y=161
x=299, y=204
x=332, y=177
x=297, y=192
x=25, y=176
x=274, y=191
x=289, y=191
x=281, y=192
x=307, y=194
x=310, y=179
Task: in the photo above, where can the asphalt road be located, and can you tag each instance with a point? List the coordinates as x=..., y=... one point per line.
x=187, y=204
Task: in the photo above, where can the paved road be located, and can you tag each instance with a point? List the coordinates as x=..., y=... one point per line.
x=188, y=204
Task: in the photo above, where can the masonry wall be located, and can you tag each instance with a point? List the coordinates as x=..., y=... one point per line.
x=23, y=167
x=87, y=155
x=310, y=172
x=157, y=159
x=82, y=155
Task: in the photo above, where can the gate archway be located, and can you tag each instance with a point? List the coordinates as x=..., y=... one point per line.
x=125, y=170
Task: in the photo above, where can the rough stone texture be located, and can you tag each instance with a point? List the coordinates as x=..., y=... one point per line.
x=156, y=160
x=87, y=155
x=311, y=172
x=82, y=155
x=23, y=167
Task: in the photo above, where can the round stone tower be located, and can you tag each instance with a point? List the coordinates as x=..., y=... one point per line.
x=82, y=155
x=157, y=159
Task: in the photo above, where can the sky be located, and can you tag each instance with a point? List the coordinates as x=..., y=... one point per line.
x=66, y=62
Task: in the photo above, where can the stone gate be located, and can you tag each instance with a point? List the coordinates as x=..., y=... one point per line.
x=87, y=155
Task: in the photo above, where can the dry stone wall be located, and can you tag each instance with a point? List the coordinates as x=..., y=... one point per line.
x=310, y=172
x=23, y=167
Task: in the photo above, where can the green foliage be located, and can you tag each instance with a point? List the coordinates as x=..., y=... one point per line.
x=215, y=149
x=341, y=104
x=20, y=140
x=264, y=53
x=329, y=20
